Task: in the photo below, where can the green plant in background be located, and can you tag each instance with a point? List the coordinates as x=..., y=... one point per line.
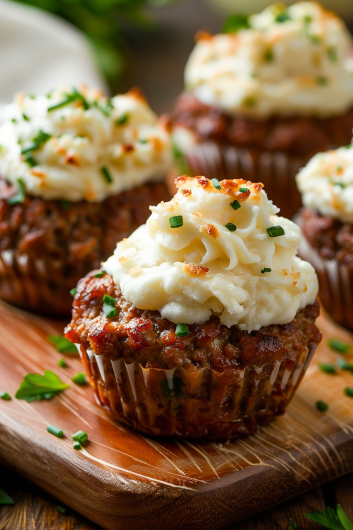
x=102, y=22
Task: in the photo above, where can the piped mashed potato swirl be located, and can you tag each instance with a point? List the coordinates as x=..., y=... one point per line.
x=81, y=145
x=291, y=60
x=220, y=261
x=326, y=183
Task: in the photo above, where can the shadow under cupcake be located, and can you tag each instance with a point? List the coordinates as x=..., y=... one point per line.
x=78, y=172
x=202, y=323
x=265, y=97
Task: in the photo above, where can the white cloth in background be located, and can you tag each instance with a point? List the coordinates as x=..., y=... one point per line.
x=39, y=51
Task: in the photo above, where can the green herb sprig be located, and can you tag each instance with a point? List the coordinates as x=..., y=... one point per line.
x=35, y=387
x=20, y=195
x=5, y=499
x=62, y=344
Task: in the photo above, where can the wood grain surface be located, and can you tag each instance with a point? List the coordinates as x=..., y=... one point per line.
x=122, y=480
x=36, y=510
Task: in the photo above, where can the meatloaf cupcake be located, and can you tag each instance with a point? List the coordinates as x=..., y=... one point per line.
x=78, y=172
x=260, y=102
x=202, y=323
x=326, y=220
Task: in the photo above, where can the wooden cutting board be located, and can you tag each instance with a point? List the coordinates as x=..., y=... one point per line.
x=122, y=480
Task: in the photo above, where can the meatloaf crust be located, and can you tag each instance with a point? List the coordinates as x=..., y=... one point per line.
x=294, y=135
x=47, y=246
x=328, y=246
x=215, y=383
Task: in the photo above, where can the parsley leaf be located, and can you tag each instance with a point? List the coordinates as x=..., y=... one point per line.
x=330, y=519
x=35, y=386
x=62, y=344
x=5, y=499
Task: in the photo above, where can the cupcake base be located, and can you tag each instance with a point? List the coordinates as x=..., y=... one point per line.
x=335, y=275
x=47, y=246
x=194, y=403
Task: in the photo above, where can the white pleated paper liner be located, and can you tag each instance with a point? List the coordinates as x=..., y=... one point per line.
x=199, y=403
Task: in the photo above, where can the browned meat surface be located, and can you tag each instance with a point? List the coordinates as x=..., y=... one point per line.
x=294, y=135
x=330, y=237
x=47, y=246
x=148, y=338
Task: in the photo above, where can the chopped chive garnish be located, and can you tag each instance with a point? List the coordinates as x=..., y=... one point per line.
x=106, y=174
x=76, y=445
x=62, y=509
x=5, y=499
x=275, y=231
x=55, y=430
x=308, y=19
x=14, y=120
x=322, y=406
x=62, y=363
x=109, y=308
x=338, y=346
x=79, y=379
x=236, y=22
x=104, y=110
x=73, y=291
x=249, y=102
x=30, y=160
x=122, y=120
x=244, y=190
x=80, y=437
x=62, y=344
x=231, y=227
x=176, y=221
x=322, y=81
x=235, y=205
x=41, y=137
x=332, y=54
x=109, y=300
x=65, y=205
x=342, y=363
x=5, y=396
x=327, y=368
x=265, y=269
x=182, y=330
x=315, y=39
x=283, y=17
x=32, y=147
x=25, y=117
x=100, y=274
x=340, y=184
x=69, y=99
x=216, y=184
x=348, y=391
x=144, y=141
x=20, y=195
x=268, y=57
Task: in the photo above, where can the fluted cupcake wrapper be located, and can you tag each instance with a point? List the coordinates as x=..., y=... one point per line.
x=28, y=283
x=335, y=284
x=276, y=170
x=194, y=402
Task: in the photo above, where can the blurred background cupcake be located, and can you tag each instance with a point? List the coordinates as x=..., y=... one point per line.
x=206, y=315
x=78, y=172
x=267, y=95
x=326, y=220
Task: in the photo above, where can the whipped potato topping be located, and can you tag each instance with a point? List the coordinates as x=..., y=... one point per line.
x=207, y=251
x=326, y=183
x=291, y=60
x=81, y=145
